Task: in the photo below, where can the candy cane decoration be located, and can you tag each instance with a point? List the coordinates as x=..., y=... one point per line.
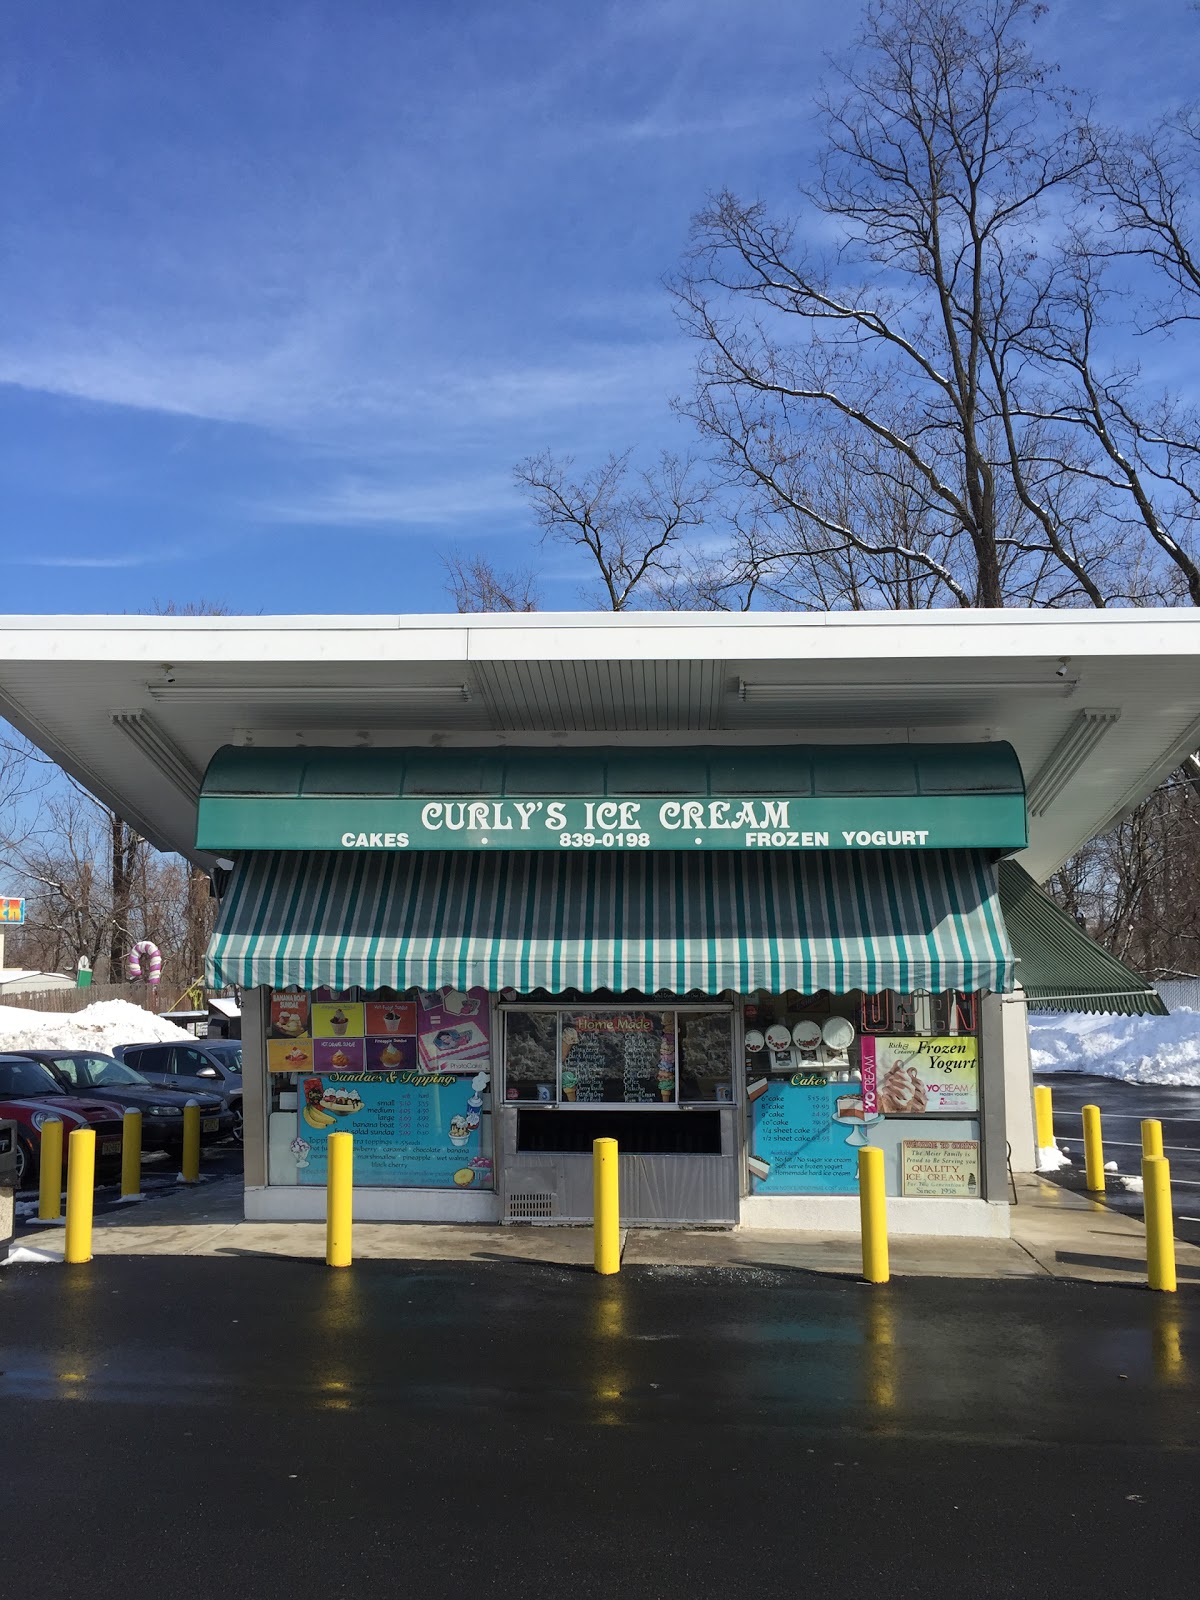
x=153, y=961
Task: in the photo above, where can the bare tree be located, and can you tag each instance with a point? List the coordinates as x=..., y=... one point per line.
x=948, y=154
x=632, y=525
x=477, y=585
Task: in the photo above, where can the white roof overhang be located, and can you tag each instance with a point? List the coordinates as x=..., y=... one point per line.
x=1099, y=705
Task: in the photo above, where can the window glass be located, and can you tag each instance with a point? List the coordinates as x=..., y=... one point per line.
x=531, y=1055
x=187, y=1063
x=618, y=1057
x=705, y=1056
x=97, y=1072
x=150, y=1058
x=27, y=1077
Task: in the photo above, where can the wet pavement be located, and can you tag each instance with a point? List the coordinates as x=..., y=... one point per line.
x=271, y=1428
x=1122, y=1108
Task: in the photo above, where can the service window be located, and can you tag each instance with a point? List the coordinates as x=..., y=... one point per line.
x=618, y=1056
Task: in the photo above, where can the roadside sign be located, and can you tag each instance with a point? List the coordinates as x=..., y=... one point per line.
x=11, y=909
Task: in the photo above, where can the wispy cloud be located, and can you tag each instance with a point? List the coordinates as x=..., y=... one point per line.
x=142, y=558
x=369, y=503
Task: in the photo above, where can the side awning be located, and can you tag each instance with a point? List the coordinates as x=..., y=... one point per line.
x=709, y=922
x=1059, y=967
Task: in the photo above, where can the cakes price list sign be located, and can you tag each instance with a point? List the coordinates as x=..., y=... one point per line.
x=412, y=1130
x=796, y=1146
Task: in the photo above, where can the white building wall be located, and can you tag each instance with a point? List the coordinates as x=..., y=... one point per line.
x=1018, y=1083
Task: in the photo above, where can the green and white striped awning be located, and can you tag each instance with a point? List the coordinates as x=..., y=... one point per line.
x=902, y=920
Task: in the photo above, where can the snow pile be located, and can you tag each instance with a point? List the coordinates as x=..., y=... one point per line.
x=96, y=1027
x=1136, y=1049
x=1050, y=1158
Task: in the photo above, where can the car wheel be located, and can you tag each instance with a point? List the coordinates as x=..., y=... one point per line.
x=27, y=1167
x=236, y=1107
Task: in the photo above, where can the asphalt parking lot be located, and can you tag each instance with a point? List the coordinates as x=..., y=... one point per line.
x=191, y=1426
x=1123, y=1106
x=160, y=1176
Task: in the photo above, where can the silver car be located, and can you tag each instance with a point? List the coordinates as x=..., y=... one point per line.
x=198, y=1066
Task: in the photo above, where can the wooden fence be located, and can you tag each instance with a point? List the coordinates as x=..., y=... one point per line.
x=66, y=1000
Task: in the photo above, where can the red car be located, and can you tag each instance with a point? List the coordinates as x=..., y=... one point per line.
x=29, y=1094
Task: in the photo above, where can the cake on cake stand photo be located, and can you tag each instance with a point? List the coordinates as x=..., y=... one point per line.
x=848, y=1113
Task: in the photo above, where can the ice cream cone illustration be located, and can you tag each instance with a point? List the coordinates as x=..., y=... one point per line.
x=570, y=1084
x=666, y=1083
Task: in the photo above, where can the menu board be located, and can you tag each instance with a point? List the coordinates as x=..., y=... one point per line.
x=412, y=1130
x=796, y=1144
x=912, y=1077
x=618, y=1056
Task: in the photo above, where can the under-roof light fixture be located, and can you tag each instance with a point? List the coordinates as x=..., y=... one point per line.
x=1064, y=761
x=160, y=750
x=407, y=694
x=793, y=694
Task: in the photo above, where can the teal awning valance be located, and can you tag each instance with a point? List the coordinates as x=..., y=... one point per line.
x=901, y=920
x=716, y=797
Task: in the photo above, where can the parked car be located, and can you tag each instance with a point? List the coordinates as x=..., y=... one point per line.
x=105, y=1078
x=195, y=1066
x=30, y=1094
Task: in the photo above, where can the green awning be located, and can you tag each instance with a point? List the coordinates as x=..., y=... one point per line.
x=708, y=922
x=1058, y=966
x=708, y=797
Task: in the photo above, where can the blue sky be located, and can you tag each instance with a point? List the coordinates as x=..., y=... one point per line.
x=286, y=288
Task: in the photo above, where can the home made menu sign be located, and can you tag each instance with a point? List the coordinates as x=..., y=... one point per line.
x=620, y=1056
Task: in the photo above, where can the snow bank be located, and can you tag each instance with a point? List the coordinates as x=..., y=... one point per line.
x=96, y=1027
x=1136, y=1049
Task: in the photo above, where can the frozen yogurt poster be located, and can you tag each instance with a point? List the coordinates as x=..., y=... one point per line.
x=453, y=1030
x=412, y=1130
x=909, y=1077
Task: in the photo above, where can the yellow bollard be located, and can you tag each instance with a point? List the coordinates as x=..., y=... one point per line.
x=1160, y=1224
x=1093, y=1149
x=191, y=1142
x=131, y=1154
x=50, y=1171
x=81, y=1184
x=606, y=1209
x=1152, y=1138
x=339, y=1200
x=1043, y=1110
x=873, y=1210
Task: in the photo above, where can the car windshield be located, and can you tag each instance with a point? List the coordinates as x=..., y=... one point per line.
x=27, y=1077
x=228, y=1052
x=99, y=1072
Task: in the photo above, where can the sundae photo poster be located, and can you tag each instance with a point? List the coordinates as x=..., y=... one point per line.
x=911, y=1077
x=289, y=1055
x=289, y=1015
x=407, y=1134
x=338, y=1019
